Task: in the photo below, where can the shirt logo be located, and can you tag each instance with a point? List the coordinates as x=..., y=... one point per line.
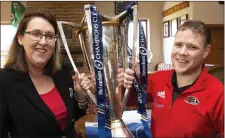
x=192, y=100
x=161, y=94
x=71, y=92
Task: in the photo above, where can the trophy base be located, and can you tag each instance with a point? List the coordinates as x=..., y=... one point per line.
x=119, y=129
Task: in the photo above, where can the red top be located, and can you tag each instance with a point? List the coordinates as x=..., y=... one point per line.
x=196, y=112
x=55, y=103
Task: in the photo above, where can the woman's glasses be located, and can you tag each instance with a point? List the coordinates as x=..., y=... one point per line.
x=37, y=36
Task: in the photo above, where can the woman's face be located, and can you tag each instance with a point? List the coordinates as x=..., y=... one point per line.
x=38, y=48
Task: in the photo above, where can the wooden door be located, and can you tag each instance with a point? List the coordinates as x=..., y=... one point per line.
x=216, y=55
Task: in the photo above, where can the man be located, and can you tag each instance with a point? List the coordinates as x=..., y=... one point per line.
x=186, y=101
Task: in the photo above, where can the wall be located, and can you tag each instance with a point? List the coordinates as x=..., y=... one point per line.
x=153, y=12
x=5, y=11
x=65, y=11
x=208, y=12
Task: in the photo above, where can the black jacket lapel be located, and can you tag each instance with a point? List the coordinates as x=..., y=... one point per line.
x=28, y=89
x=64, y=91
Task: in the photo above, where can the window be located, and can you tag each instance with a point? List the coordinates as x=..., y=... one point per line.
x=7, y=34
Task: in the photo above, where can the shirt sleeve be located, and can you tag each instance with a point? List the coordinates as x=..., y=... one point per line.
x=78, y=113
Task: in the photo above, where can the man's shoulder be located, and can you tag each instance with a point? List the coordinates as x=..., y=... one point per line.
x=214, y=89
x=165, y=74
x=214, y=84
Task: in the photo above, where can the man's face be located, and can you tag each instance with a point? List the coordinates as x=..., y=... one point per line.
x=188, y=52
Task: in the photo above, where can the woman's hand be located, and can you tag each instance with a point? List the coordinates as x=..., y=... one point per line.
x=81, y=85
x=93, y=81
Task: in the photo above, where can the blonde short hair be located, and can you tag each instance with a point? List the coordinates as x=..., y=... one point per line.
x=197, y=27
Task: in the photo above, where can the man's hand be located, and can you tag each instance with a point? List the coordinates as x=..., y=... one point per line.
x=120, y=77
x=128, y=78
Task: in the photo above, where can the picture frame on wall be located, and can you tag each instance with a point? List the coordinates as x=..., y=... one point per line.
x=183, y=18
x=166, y=29
x=121, y=6
x=174, y=26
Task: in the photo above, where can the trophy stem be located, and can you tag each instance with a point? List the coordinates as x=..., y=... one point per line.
x=124, y=101
x=119, y=129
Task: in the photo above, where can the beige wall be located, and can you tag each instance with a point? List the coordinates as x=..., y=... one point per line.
x=208, y=12
x=187, y=10
x=153, y=12
x=6, y=10
x=107, y=8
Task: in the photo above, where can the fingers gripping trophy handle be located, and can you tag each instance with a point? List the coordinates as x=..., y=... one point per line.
x=59, y=23
x=92, y=96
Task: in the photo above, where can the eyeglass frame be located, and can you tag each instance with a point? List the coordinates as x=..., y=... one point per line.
x=29, y=32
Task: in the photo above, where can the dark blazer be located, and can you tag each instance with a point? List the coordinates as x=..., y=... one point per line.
x=24, y=114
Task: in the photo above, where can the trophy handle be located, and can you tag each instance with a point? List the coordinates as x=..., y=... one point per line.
x=83, y=20
x=135, y=30
x=59, y=23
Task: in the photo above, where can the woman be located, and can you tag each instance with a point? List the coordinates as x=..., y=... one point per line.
x=37, y=97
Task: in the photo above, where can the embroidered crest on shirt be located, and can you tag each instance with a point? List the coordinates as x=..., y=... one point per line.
x=192, y=100
x=71, y=92
x=161, y=94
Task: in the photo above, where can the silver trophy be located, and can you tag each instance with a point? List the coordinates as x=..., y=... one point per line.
x=113, y=38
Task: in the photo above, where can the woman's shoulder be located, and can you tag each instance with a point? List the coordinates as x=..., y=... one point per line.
x=6, y=72
x=11, y=73
x=65, y=71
